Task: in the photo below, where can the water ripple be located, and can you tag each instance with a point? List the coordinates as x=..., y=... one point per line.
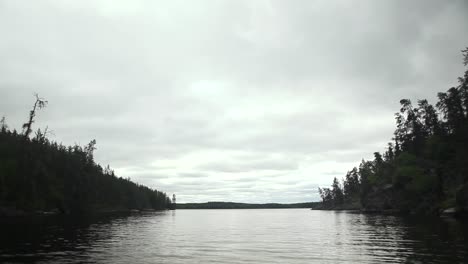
x=235, y=236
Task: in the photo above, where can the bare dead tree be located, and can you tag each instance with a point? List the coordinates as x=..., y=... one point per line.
x=42, y=136
x=39, y=104
x=3, y=125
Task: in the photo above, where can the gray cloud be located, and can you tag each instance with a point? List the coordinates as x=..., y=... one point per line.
x=252, y=101
x=279, y=164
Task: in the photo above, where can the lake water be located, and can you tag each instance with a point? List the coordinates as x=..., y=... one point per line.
x=234, y=236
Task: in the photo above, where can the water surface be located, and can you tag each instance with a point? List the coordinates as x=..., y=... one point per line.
x=234, y=236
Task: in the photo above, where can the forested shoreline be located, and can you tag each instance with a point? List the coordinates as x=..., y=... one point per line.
x=41, y=176
x=425, y=168
x=232, y=205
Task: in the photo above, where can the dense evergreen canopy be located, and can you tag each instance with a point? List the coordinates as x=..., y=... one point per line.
x=425, y=169
x=40, y=175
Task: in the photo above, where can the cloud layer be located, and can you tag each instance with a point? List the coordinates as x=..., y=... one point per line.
x=247, y=101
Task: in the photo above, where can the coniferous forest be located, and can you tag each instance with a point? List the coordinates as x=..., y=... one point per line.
x=39, y=175
x=424, y=169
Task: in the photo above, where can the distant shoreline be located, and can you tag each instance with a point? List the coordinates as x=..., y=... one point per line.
x=232, y=205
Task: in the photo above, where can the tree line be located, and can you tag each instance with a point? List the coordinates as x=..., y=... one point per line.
x=231, y=205
x=425, y=167
x=37, y=174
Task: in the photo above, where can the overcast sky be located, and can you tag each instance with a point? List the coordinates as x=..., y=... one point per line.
x=246, y=101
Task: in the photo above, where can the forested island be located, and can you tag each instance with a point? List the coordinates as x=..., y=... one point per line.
x=231, y=205
x=425, y=168
x=41, y=176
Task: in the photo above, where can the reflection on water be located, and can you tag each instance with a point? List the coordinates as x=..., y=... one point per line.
x=234, y=236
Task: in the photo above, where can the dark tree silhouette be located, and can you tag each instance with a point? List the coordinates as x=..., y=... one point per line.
x=38, y=104
x=425, y=170
x=39, y=175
